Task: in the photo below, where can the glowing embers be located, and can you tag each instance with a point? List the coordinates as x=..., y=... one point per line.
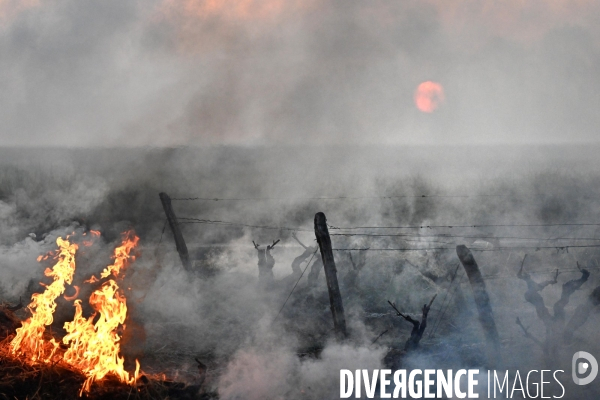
x=93, y=342
x=29, y=340
x=94, y=347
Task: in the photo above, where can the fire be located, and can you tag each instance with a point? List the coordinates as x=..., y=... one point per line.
x=92, y=279
x=44, y=257
x=94, y=347
x=29, y=340
x=73, y=297
x=95, y=234
x=122, y=255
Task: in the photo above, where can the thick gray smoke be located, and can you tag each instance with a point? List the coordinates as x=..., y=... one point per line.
x=273, y=110
x=177, y=72
x=221, y=315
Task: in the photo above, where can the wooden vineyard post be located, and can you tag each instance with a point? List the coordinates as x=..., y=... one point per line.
x=335, y=298
x=482, y=300
x=179, y=242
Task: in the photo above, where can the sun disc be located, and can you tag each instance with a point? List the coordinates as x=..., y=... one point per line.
x=429, y=96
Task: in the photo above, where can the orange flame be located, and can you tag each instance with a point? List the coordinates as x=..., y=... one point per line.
x=95, y=234
x=70, y=298
x=92, y=279
x=43, y=257
x=29, y=340
x=94, y=347
x=122, y=255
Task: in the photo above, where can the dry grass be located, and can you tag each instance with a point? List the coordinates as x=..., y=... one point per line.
x=22, y=380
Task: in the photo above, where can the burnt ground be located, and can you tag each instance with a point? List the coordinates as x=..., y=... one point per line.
x=22, y=381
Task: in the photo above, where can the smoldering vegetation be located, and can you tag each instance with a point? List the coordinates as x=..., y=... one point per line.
x=503, y=203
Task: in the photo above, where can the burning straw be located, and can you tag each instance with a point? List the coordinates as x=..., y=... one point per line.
x=60, y=381
x=93, y=343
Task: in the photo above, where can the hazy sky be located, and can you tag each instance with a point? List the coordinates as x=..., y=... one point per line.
x=178, y=72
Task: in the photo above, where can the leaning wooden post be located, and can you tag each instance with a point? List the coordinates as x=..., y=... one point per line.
x=482, y=300
x=335, y=298
x=179, y=242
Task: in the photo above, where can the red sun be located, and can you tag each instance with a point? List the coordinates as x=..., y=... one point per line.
x=429, y=96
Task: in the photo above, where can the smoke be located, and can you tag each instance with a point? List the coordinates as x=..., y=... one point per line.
x=256, y=374
x=269, y=91
x=10, y=8
x=180, y=72
x=262, y=342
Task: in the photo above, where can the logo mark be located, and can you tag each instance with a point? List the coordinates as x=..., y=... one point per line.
x=580, y=368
